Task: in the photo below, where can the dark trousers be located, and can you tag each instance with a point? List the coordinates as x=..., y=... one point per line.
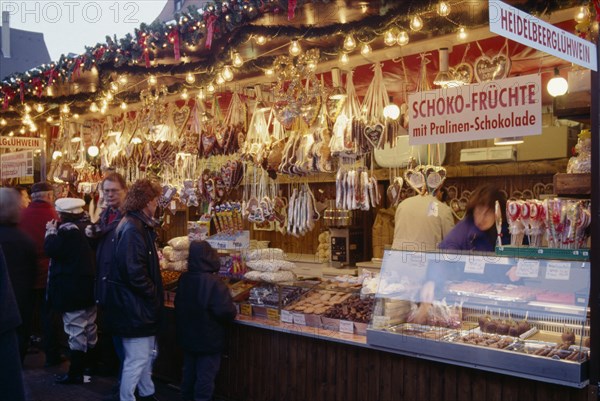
x=51, y=325
x=199, y=373
x=11, y=375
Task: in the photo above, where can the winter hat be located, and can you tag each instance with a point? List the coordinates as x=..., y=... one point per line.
x=41, y=187
x=69, y=205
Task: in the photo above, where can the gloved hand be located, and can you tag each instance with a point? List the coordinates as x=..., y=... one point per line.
x=51, y=227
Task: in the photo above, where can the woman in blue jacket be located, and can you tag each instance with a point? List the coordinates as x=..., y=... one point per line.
x=203, y=308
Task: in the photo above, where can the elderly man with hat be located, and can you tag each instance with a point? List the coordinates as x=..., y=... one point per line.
x=33, y=222
x=71, y=282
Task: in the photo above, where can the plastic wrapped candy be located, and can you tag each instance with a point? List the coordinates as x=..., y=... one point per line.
x=515, y=224
x=582, y=163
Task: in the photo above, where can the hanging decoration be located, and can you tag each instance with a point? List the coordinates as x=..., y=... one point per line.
x=494, y=68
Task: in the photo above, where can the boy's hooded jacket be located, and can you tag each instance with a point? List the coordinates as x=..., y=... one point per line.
x=203, y=305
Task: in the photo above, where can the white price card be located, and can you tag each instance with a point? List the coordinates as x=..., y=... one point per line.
x=381, y=322
x=558, y=271
x=528, y=268
x=476, y=266
x=299, y=319
x=346, y=326
x=287, y=317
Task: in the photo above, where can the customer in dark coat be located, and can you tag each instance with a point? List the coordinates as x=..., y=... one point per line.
x=21, y=259
x=203, y=308
x=71, y=282
x=11, y=375
x=134, y=292
x=33, y=223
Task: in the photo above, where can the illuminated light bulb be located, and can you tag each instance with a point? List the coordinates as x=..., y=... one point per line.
x=76, y=139
x=39, y=108
x=3, y=122
x=269, y=72
x=103, y=110
x=56, y=154
x=22, y=130
x=391, y=111
x=312, y=66
x=114, y=86
x=123, y=106
x=136, y=140
x=390, y=37
x=211, y=88
x=201, y=95
x=49, y=91
x=93, y=151
x=152, y=80
x=49, y=119
x=65, y=109
x=109, y=96
x=237, y=60
x=227, y=73
x=33, y=128
x=349, y=43
x=582, y=14
x=416, y=23
x=220, y=80
x=344, y=59
x=11, y=133
x=123, y=80
x=190, y=78
x=94, y=70
x=261, y=40
x=403, y=38
x=295, y=48
x=27, y=108
x=443, y=9
x=462, y=33
x=76, y=116
x=184, y=94
x=557, y=86
x=365, y=50
x=94, y=107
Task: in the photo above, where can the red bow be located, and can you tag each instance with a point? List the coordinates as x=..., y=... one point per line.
x=142, y=38
x=22, y=90
x=597, y=8
x=8, y=95
x=291, y=9
x=210, y=30
x=99, y=53
x=51, y=75
x=76, y=69
x=37, y=85
x=174, y=38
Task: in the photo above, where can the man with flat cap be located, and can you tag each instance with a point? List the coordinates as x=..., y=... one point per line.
x=33, y=223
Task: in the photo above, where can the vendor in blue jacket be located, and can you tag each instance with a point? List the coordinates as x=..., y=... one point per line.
x=203, y=309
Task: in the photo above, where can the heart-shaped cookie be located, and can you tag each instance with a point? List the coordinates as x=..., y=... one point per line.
x=435, y=177
x=374, y=134
x=463, y=73
x=415, y=179
x=459, y=207
x=208, y=143
x=180, y=118
x=311, y=106
x=489, y=69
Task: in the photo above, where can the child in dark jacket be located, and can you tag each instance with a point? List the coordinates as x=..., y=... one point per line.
x=203, y=308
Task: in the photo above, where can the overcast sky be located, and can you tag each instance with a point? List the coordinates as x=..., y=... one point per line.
x=70, y=25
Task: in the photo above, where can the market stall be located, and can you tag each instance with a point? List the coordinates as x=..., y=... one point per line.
x=285, y=133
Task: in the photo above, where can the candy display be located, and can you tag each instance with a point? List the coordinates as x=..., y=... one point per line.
x=582, y=163
x=318, y=302
x=232, y=265
x=354, y=309
x=269, y=295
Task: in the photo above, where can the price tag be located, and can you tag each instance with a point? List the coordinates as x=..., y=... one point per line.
x=273, y=314
x=558, y=271
x=346, y=326
x=287, y=316
x=173, y=205
x=476, y=266
x=528, y=268
x=433, y=209
x=381, y=322
x=246, y=310
x=299, y=319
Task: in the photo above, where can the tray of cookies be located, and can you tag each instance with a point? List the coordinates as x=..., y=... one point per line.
x=418, y=330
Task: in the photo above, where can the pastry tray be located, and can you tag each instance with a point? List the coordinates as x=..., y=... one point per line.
x=417, y=330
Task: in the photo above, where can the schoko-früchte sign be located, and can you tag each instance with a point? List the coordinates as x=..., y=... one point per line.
x=496, y=109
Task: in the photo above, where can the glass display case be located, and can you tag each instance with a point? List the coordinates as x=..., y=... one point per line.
x=520, y=316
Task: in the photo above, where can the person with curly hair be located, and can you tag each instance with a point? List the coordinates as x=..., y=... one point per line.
x=134, y=292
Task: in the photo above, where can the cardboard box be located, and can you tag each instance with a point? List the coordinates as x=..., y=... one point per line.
x=553, y=143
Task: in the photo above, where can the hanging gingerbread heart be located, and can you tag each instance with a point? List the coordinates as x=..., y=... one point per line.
x=180, y=118
x=311, y=105
x=489, y=69
x=459, y=207
x=374, y=133
x=415, y=179
x=463, y=73
x=435, y=176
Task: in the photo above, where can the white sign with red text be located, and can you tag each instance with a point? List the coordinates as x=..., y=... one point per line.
x=496, y=109
x=524, y=28
x=16, y=164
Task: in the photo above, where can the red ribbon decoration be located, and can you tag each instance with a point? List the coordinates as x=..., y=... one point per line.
x=99, y=53
x=291, y=9
x=51, y=75
x=37, y=85
x=22, y=90
x=142, y=42
x=8, y=95
x=597, y=8
x=210, y=30
x=76, y=69
x=174, y=38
